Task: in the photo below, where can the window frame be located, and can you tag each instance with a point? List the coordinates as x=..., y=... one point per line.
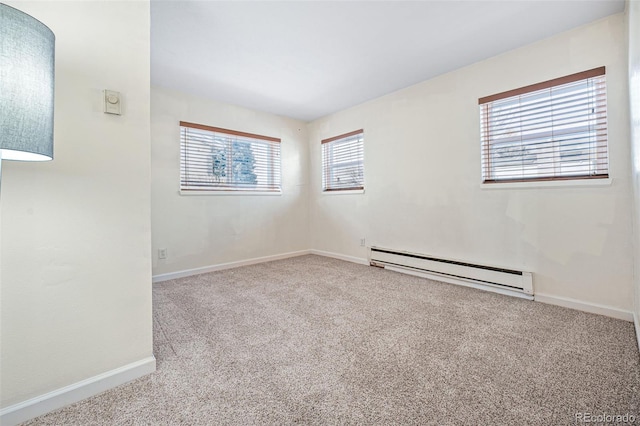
x=599, y=145
x=273, y=163
x=328, y=166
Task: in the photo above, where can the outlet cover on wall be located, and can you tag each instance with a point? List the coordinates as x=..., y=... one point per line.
x=362, y=242
x=162, y=253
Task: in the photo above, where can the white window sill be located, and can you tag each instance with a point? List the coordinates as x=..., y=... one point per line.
x=230, y=193
x=549, y=184
x=345, y=192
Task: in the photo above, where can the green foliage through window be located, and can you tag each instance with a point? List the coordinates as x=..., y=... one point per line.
x=216, y=160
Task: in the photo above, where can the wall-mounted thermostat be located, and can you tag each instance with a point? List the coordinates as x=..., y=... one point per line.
x=112, y=102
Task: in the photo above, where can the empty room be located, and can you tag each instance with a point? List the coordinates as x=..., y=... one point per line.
x=310, y=212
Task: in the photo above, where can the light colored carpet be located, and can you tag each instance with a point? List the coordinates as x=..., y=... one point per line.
x=313, y=340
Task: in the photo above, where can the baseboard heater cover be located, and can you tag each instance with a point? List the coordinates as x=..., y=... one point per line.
x=501, y=280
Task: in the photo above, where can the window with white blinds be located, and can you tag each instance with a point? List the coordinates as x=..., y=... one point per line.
x=547, y=131
x=215, y=159
x=343, y=162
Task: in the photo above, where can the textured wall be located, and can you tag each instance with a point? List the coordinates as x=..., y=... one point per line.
x=633, y=21
x=205, y=230
x=76, y=235
x=422, y=173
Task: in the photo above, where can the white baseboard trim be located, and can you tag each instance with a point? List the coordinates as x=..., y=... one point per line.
x=62, y=397
x=579, y=305
x=344, y=257
x=222, y=266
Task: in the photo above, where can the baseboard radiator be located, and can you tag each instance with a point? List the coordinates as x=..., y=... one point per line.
x=500, y=280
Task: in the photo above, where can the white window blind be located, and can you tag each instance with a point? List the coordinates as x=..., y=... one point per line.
x=215, y=159
x=343, y=162
x=547, y=131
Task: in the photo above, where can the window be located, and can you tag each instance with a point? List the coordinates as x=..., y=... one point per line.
x=214, y=159
x=547, y=131
x=343, y=162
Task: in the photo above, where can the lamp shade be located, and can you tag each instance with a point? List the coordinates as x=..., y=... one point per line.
x=26, y=87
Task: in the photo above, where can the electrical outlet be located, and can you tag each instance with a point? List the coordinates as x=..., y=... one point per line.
x=162, y=253
x=362, y=242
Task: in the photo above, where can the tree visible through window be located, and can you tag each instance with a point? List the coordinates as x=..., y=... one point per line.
x=547, y=131
x=218, y=159
x=240, y=169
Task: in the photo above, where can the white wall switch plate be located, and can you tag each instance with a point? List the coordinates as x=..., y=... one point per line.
x=112, y=102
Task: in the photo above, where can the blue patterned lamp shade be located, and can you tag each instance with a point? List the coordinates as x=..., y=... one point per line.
x=26, y=87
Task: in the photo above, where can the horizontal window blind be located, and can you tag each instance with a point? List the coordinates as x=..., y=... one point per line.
x=215, y=159
x=547, y=131
x=343, y=162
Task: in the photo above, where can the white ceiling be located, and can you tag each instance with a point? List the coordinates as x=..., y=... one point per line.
x=307, y=59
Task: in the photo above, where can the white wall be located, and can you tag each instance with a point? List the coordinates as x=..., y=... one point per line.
x=76, y=236
x=422, y=173
x=206, y=230
x=633, y=21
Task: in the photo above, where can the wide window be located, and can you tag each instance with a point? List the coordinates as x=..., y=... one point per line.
x=343, y=162
x=215, y=159
x=547, y=131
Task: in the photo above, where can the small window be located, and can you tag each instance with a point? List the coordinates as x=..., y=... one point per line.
x=547, y=131
x=214, y=159
x=343, y=162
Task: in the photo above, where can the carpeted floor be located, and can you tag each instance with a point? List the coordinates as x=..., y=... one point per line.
x=313, y=340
